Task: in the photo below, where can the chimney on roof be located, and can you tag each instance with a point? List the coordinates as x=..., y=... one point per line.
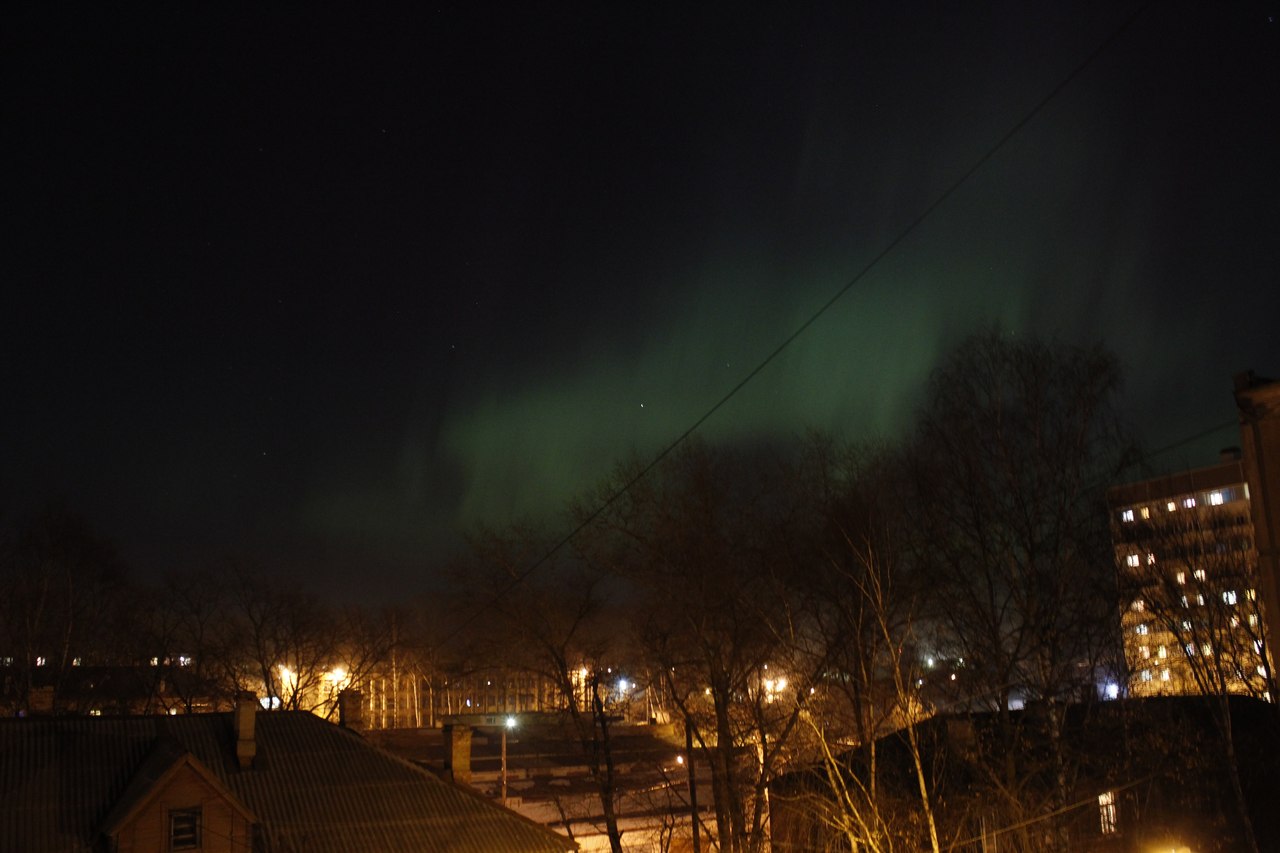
x=243, y=720
x=457, y=753
x=40, y=700
x=351, y=710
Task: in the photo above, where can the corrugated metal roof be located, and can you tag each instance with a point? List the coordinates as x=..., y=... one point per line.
x=314, y=786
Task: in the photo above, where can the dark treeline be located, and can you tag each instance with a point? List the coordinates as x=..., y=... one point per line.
x=783, y=604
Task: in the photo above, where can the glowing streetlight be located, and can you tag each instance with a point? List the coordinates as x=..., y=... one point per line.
x=509, y=724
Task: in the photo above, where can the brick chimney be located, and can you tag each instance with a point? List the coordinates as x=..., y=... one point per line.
x=457, y=753
x=351, y=710
x=40, y=700
x=243, y=720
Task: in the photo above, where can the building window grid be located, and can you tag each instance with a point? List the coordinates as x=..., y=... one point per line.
x=1107, y=812
x=1215, y=498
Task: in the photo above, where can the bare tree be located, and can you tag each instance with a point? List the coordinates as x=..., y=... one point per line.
x=291, y=646
x=61, y=589
x=1014, y=445
x=555, y=625
x=710, y=545
x=872, y=685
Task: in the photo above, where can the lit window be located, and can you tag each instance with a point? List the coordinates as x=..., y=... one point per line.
x=1107, y=812
x=1186, y=624
x=1138, y=605
x=1171, y=506
x=155, y=661
x=76, y=661
x=1146, y=512
x=1190, y=649
x=1257, y=647
x=1133, y=560
x=1189, y=502
x=1146, y=675
x=1229, y=596
x=1199, y=574
x=1164, y=675
x=1206, y=649
x=1144, y=651
x=184, y=829
x=1185, y=603
x=6, y=661
x=1127, y=515
x=1253, y=620
x=1235, y=621
x=1141, y=629
x=1251, y=594
x=1215, y=498
x=41, y=661
x=1181, y=577
x=1200, y=600
x=1151, y=559
x=1162, y=652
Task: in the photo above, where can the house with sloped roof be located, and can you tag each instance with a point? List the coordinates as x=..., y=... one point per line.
x=278, y=782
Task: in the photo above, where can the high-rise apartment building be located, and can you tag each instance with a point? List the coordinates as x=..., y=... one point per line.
x=1187, y=562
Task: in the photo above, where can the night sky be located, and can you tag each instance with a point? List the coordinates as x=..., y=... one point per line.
x=318, y=292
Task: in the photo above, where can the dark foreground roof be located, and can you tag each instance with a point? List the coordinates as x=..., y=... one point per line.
x=314, y=786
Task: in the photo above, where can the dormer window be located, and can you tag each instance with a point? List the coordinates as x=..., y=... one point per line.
x=184, y=829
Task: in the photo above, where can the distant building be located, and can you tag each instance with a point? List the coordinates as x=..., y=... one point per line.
x=1192, y=616
x=265, y=782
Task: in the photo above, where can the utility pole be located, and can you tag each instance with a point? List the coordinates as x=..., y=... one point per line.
x=693, y=786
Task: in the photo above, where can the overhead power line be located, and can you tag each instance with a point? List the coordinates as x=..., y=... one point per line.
x=893, y=244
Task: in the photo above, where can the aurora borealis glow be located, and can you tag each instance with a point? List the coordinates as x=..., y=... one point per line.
x=322, y=290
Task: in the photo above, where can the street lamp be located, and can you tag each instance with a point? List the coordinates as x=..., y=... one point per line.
x=510, y=724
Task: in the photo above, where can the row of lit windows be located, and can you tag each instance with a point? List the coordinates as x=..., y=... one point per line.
x=1205, y=649
x=1214, y=498
x=1148, y=675
x=41, y=660
x=1142, y=628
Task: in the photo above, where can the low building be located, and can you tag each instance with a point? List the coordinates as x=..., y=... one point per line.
x=266, y=782
x=1131, y=775
x=548, y=778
